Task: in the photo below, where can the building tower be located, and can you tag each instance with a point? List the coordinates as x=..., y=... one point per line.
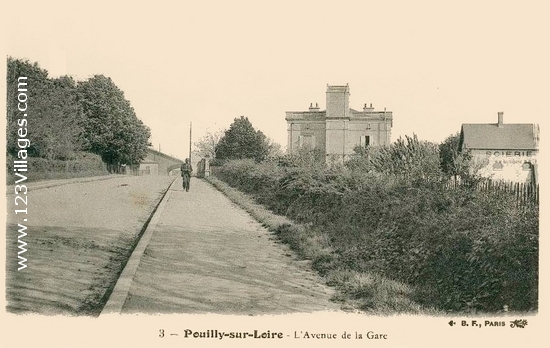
x=337, y=121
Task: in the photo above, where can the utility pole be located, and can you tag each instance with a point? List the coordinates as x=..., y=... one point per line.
x=190, y=133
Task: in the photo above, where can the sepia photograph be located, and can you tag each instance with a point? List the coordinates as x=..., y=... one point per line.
x=260, y=173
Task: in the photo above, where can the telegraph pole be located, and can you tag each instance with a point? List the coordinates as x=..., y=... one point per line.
x=190, y=133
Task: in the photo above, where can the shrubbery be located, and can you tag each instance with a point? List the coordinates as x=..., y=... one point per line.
x=83, y=164
x=460, y=249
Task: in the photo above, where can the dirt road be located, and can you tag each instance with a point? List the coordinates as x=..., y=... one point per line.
x=79, y=236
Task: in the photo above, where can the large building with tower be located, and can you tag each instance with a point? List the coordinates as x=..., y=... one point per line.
x=336, y=131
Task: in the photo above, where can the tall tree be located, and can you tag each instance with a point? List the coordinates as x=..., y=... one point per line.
x=111, y=128
x=206, y=146
x=241, y=140
x=62, y=117
x=275, y=149
x=53, y=115
x=454, y=162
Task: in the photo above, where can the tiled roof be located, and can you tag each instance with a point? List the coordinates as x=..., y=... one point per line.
x=507, y=136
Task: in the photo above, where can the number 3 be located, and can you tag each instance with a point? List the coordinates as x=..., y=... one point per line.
x=161, y=333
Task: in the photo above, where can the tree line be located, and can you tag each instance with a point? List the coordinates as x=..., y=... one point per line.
x=66, y=117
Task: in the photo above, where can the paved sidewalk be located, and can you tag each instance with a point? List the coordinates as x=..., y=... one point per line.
x=206, y=255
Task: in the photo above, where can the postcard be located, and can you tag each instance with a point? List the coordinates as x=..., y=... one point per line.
x=290, y=173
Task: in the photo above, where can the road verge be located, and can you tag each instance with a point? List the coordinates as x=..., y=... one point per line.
x=357, y=291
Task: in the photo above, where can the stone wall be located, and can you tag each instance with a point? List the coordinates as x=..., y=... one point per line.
x=165, y=164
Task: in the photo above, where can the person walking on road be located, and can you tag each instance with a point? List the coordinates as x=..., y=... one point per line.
x=186, y=170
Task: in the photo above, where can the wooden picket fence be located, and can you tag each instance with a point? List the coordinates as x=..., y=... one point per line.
x=527, y=195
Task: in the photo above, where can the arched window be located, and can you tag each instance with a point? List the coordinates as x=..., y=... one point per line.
x=526, y=166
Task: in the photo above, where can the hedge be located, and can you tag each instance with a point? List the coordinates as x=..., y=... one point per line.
x=84, y=164
x=461, y=249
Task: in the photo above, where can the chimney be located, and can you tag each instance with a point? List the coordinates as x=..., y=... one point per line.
x=367, y=108
x=500, y=117
x=313, y=108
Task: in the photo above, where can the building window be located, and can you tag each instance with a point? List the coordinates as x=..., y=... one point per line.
x=365, y=140
x=526, y=166
x=368, y=126
x=498, y=165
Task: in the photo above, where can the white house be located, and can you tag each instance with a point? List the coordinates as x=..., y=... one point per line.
x=503, y=151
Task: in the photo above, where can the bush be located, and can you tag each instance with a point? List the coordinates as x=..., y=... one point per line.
x=459, y=249
x=83, y=164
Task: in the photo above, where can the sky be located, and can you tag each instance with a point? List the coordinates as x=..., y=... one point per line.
x=434, y=66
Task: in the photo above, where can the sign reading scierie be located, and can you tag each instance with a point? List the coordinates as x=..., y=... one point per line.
x=527, y=153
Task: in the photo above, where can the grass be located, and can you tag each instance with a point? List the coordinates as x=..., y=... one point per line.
x=360, y=291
